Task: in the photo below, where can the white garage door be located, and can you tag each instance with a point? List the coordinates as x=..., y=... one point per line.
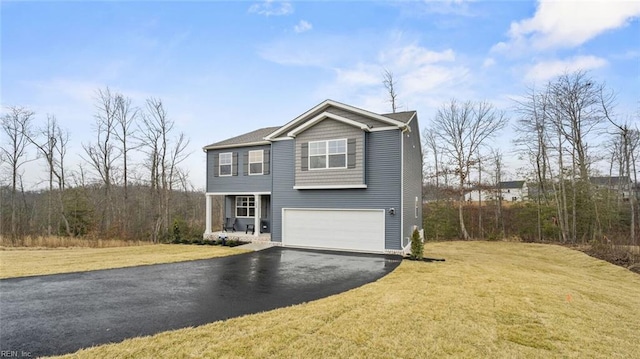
x=348, y=229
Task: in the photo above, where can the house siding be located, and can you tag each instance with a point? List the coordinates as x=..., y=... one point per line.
x=412, y=180
x=330, y=130
x=241, y=182
x=382, y=192
x=356, y=117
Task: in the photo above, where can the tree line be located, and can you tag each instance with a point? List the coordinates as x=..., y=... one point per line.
x=128, y=183
x=560, y=130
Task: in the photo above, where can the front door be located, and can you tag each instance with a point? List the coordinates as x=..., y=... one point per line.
x=265, y=214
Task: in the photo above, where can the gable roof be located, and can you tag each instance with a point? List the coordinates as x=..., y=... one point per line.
x=405, y=116
x=609, y=181
x=312, y=113
x=324, y=116
x=511, y=184
x=250, y=138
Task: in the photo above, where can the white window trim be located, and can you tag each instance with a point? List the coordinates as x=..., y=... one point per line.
x=261, y=162
x=226, y=164
x=326, y=154
x=416, y=207
x=247, y=207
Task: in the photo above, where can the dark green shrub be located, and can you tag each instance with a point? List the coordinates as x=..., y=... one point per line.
x=417, y=247
x=176, y=230
x=440, y=221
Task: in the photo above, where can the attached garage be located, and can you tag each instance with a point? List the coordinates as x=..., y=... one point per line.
x=342, y=229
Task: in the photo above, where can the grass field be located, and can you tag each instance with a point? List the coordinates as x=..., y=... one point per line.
x=29, y=262
x=488, y=300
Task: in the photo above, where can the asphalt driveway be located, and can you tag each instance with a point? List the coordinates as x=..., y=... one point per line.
x=62, y=313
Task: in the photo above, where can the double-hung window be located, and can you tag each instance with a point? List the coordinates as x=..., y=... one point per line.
x=328, y=154
x=225, y=162
x=255, y=162
x=245, y=206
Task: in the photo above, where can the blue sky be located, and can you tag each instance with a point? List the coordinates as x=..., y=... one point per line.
x=225, y=68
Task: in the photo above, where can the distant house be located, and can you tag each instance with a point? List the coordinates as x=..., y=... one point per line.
x=618, y=184
x=513, y=191
x=510, y=191
x=336, y=177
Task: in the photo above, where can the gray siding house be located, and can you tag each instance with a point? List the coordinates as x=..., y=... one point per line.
x=336, y=177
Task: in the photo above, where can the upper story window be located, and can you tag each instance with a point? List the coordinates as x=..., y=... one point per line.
x=328, y=154
x=225, y=161
x=255, y=162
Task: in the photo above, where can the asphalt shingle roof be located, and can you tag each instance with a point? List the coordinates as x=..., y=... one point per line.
x=512, y=184
x=260, y=134
x=249, y=137
x=400, y=116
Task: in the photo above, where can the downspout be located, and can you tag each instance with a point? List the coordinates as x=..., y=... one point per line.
x=401, y=211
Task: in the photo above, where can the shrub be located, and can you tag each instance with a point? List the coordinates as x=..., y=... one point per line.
x=176, y=230
x=417, y=247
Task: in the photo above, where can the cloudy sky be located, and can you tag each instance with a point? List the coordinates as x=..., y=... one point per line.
x=225, y=68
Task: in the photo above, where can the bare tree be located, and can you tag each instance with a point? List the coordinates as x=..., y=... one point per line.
x=462, y=129
x=125, y=115
x=164, y=154
x=578, y=106
x=45, y=140
x=629, y=141
x=16, y=125
x=496, y=156
x=102, y=154
x=390, y=85
x=533, y=142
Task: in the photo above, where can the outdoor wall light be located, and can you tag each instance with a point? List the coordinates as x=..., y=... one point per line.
x=392, y=211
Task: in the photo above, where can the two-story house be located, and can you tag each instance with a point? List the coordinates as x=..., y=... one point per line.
x=335, y=177
x=511, y=191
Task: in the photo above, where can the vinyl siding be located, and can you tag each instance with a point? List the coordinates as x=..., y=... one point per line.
x=330, y=130
x=412, y=180
x=383, y=181
x=239, y=183
x=356, y=117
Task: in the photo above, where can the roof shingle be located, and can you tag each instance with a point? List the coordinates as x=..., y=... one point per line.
x=247, y=138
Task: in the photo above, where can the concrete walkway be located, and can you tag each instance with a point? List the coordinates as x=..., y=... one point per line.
x=256, y=246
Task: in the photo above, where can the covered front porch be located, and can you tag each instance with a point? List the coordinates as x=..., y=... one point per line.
x=245, y=216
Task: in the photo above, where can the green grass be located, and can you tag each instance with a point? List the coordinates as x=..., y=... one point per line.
x=489, y=300
x=30, y=262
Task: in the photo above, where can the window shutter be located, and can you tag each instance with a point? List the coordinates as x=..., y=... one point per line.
x=214, y=161
x=245, y=163
x=234, y=166
x=351, y=153
x=304, y=158
x=266, y=162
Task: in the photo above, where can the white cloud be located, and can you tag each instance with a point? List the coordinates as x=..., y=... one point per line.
x=272, y=8
x=488, y=62
x=361, y=75
x=423, y=77
x=302, y=26
x=412, y=55
x=566, y=24
x=448, y=7
x=547, y=70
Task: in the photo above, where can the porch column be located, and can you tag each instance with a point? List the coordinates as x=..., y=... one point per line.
x=256, y=219
x=208, y=214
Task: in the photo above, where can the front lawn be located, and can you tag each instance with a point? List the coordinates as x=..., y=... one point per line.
x=30, y=262
x=489, y=300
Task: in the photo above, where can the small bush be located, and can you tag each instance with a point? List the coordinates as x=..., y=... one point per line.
x=417, y=247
